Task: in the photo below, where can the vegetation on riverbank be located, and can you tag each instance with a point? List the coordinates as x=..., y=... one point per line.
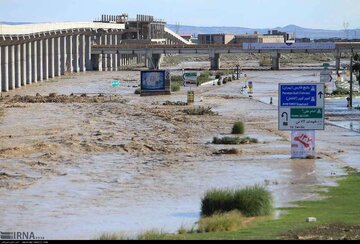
x=337, y=216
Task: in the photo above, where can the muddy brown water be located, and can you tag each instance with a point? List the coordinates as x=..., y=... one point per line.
x=75, y=171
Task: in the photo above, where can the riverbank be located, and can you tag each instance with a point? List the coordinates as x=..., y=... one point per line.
x=337, y=218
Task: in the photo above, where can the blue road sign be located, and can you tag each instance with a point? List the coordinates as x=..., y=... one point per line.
x=298, y=95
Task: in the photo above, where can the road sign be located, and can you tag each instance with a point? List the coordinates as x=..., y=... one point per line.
x=302, y=144
x=115, y=83
x=301, y=107
x=326, y=76
x=190, y=78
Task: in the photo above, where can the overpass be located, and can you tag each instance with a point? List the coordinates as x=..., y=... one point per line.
x=36, y=52
x=154, y=52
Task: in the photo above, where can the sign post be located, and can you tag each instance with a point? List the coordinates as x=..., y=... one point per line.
x=302, y=111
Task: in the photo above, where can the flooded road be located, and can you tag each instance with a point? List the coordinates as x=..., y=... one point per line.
x=77, y=170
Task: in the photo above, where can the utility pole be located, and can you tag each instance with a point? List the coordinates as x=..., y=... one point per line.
x=351, y=79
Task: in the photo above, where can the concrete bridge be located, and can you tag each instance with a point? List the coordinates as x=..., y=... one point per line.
x=36, y=52
x=154, y=53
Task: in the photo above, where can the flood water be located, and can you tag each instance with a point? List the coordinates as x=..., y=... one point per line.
x=115, y=191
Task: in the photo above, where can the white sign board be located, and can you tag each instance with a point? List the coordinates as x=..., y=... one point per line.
x=303, y=144
x=301, y=107
x=290, y=46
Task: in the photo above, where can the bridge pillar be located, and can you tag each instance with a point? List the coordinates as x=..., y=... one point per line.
x=76, y=58
x=23, y=64
x=5, y=69
x=40, y=61
x=82, y=51
x=110, y=56
x=105, y=56
x=154, y=61
x=57, y=56
x=1, y=67
x=115, y=58
x=18, y=66
x=34, y=55
x=69, y=55
x=275, y=61
x=63, y=55
x=46, y=59
x=12, y=68
x=338, y=60
x=29, y=63
x=214, y=61
x=51, y=58
x=88, y=63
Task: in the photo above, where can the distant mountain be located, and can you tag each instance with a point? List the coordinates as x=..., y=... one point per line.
x=13, y=23
x=300, y=32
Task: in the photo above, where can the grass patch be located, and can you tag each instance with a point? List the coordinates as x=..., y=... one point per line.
x=232, y=151
x=152, y=235
x=200, y=111
x=231, y=221
x=234, y=141
x=177, y=78
x=250, y=201
x=340, y=92
x=112, y=237
x=179, y=103
x=238, y=128
x=204, y=77
x=175, y=86
x=339, y=206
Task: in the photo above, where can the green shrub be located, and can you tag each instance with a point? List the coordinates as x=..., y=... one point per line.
x=153, y=235
x=199, y=111
x=238, y=128
x=250, y=201
x=112, y=237
x=234, y=141
x=226, y=141
x=217, y=201
x=175, y=87
x=231, y=221
x=177, y=78
x=254, y=201
x=340, y=92
x=232, y=151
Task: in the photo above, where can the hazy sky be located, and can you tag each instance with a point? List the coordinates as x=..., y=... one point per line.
x=325, y=14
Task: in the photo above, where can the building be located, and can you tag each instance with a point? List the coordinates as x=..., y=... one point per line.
x=288, y=37
x=186, y=36
x=215, y=38
x=143, y=28
x=257, y=38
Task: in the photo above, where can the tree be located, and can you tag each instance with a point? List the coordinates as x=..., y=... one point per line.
x=356, y=66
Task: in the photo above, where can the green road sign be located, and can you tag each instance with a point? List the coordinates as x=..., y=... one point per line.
x=115, y=83
x=307, y=113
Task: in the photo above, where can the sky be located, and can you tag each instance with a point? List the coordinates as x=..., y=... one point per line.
x=317, y=14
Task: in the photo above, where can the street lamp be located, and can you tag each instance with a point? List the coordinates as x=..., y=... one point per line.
x=351, y=79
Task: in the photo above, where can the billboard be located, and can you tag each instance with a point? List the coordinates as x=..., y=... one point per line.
x=290, y=46
x=153, y=80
